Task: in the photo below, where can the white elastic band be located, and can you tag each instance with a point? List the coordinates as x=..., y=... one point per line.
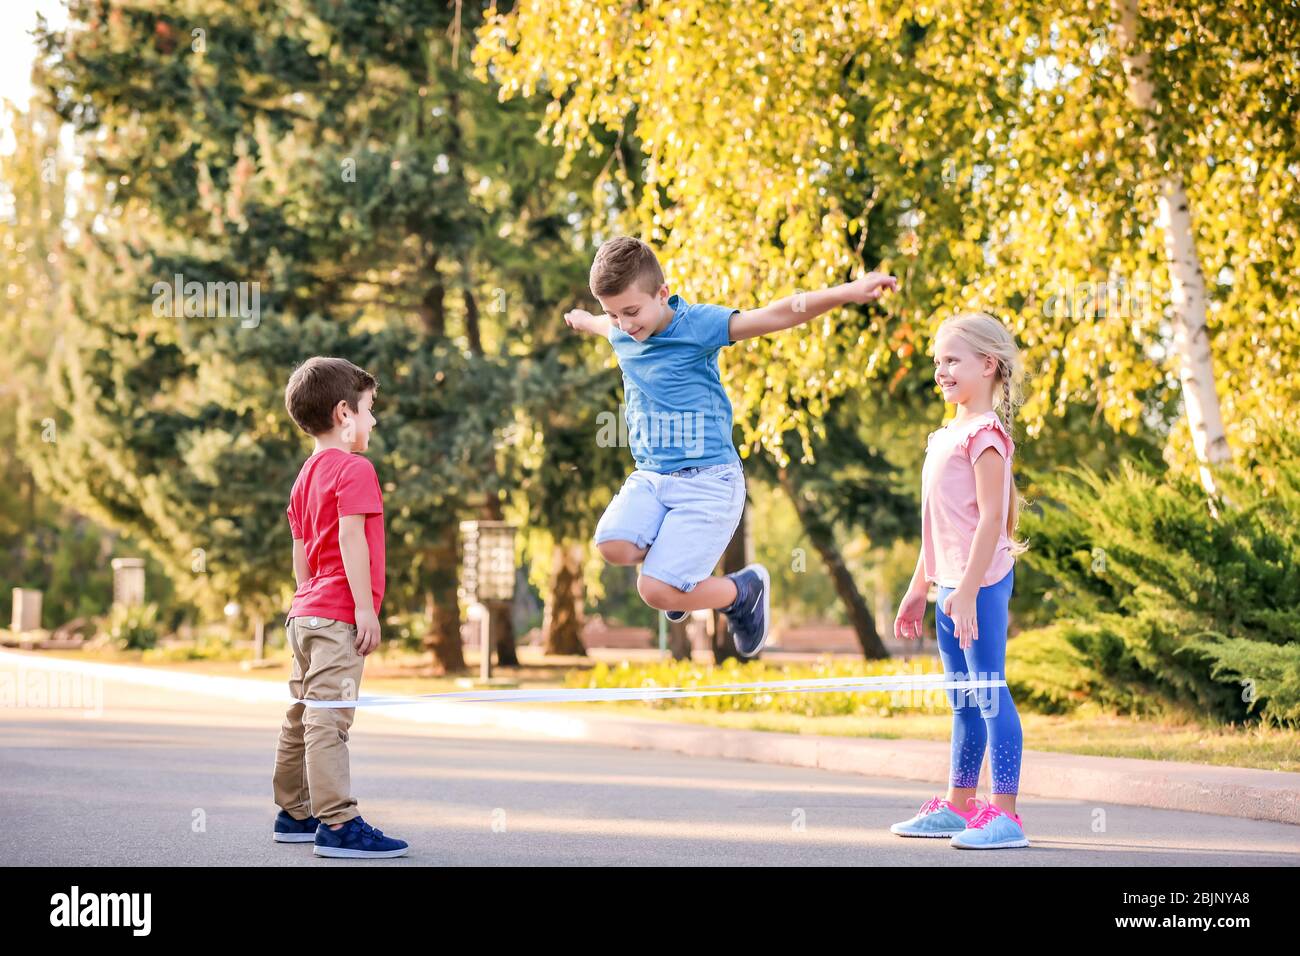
x=819, y=685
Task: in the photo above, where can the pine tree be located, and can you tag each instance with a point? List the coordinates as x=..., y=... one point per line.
x=333, y=159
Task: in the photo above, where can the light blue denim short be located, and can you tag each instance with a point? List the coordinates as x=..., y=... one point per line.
x=686, y=519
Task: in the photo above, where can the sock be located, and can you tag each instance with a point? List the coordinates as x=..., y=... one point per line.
x=741, y=594
x=1013, y=816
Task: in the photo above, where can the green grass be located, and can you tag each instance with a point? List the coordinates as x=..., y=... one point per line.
x=1097, y=735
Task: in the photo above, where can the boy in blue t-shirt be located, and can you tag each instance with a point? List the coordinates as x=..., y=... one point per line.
x=677, y=511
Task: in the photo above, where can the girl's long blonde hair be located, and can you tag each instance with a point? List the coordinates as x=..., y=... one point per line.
x=986, y=335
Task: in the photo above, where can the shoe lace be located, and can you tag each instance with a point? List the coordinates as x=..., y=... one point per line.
x=366, y=830
x=983, y=814
x=931, y=805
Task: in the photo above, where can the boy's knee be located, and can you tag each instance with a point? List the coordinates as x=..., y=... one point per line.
x=660, y=596
x=620, y=552
x=325, y=723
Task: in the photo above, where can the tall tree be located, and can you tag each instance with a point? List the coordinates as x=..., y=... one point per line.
x=851, y=484
x=326, y=157
x=990, y=153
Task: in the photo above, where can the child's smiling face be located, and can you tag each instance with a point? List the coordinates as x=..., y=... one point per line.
x=961, y=373
x=637, y=313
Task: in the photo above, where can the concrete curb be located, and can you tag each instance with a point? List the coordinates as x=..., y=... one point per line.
x=1166, y=785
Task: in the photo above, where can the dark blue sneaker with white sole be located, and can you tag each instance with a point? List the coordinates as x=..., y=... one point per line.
x=289, y=830
x=750, y=615
x=357, y=840
x=676, y=616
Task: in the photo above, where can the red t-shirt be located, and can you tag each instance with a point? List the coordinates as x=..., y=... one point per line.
x=333, y=483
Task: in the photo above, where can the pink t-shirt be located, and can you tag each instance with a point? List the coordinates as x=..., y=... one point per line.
x=331, y=484
x=949, y=510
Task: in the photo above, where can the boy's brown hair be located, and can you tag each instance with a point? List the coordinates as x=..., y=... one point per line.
x=318, y=385
x=623, y=262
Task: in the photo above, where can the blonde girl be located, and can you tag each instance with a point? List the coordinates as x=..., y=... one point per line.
x=968, y=547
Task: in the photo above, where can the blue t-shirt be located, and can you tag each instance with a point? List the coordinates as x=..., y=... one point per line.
x=677, y=412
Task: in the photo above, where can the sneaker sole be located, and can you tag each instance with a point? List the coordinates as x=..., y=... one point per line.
x=295, y=837
x=345, y=854
x=935, y=833
x=1008, y=845
x=767, y=607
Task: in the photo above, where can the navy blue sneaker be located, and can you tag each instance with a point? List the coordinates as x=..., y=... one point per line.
x=750, y=615
x=289, y=830
x=676, y=616
x=357, y=839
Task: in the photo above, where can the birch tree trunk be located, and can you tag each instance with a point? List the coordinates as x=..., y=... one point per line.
x=1187, y=282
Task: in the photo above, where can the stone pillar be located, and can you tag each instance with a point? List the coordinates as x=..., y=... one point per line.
x=128, y=581
x=27, y=610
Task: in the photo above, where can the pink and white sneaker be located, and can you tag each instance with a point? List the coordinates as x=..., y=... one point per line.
x=936, y=818
x=991, y=828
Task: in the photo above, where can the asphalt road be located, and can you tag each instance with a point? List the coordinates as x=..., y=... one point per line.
x=164, y=777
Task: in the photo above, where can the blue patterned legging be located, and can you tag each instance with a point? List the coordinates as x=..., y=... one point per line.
x=985, y=715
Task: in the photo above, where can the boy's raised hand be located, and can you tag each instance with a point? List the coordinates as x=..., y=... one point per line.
x=871, y=286
x=584, y=321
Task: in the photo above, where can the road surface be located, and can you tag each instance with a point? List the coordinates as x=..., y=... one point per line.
x=165, y=777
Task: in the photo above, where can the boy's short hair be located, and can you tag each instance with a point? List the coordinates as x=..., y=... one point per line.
x=318, y=385
x=623, y=262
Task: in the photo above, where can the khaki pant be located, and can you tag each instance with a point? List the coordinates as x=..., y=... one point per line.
x=312, y=777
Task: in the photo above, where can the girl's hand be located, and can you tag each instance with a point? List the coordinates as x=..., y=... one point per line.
x=911, y=615
x=960, y=606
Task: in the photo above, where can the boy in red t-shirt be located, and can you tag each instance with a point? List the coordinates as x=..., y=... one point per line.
x=336, y=514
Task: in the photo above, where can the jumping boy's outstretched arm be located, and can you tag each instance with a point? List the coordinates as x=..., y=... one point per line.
x=584, y=321
x=799, y=308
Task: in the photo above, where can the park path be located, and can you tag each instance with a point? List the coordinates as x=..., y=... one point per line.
x=131, y=782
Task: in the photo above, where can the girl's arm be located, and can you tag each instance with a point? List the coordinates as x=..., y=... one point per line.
x=918, y=584
x=961, y=604
x=989, y=472
x=910, y=620
x=1013, y=508
x=802, y=306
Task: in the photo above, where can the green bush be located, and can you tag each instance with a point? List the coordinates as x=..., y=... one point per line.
x=1099, y=663
x=1166, y=599
x=206, y=648
x=1262, y=671
x=133, y=628
x=407, y=631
